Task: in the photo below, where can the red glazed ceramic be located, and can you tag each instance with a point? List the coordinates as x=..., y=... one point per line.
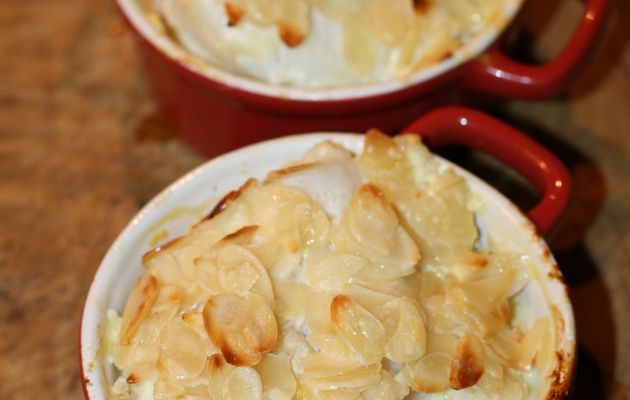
x=216, y=111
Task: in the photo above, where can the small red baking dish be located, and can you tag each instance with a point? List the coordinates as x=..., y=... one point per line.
x=216, y=110
x=197, y=192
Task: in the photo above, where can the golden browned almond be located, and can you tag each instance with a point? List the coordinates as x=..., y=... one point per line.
x=138, y=306
x=242, y=236
x=380, y=150
x=218, y=369
x=290, y=35
x=467, y=365
x=293, y=21
x=422, y=6
x=133, y=378
x=243, y=328
x=234, y=13
x=228, y=198
x=280, y=173
x=361, y=331
x=150, y=255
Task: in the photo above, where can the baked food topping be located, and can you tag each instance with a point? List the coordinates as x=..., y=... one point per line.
x=338, y=277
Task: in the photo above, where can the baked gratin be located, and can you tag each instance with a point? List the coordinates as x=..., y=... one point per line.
x=341, y=276
x=324, y=43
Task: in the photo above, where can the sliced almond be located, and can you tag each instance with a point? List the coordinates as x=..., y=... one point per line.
x=360, y=377
x=391, y=19
x=334, y=271
x=533, y=342
x=468, y=364
x=138, y=306
x=243, y=328
x=182, y=351
x=387, y=389
x=242, y=383
x=293, y=21
x=234, y=11
x=241, y=236
x=405, y=329
x=360, y=330
x=358, y=42
x=276, y=376
x=369, y=228
x=431, y=373
x=218, y=369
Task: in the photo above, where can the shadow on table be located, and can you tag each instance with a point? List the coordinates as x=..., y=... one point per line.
x=590, y=296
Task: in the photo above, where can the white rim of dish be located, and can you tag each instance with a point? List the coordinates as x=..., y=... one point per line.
x=94, y=313
x=177, y=54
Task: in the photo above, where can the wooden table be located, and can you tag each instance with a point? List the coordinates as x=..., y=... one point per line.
x=82, y=149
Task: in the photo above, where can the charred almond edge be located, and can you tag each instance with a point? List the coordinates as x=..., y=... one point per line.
x=370, y=196
x=422, y=6
x=147, y=290
x=228, y=342
x=234, y=13
x=216, y=362
x=151, y=254
x=337, y=304
x=228, y=198
x=241, y=236
x=289, y=34
x=476, y=261
x=467, y=365
x=217, y=336
x=371, y=190
x=281, y=173
x=133, y=378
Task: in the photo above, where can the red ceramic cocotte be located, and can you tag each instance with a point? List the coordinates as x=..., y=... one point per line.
x=454, y=125
x=217, y=111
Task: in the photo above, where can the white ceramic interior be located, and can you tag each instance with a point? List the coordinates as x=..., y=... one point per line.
x=185, y=202
x=137, y=17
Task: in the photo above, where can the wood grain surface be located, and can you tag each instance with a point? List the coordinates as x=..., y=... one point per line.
x=82, y=148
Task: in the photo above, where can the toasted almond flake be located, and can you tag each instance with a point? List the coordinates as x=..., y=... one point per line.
x=234, y=13
x=405, y=329
x=422, y=6
x=431, y=373
x=242, y=383
x=229, y=198
x=467, y=365
x=276, y=376
x=138, y=306
x=279, y=174
x=243, y=328
x=290, y=35
x=241, y=236
x=344, y=310
x=359, y=48
x=181, y=350
x=133, y=378
x=360, y=330
x=151, y=254
x=293, y=21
